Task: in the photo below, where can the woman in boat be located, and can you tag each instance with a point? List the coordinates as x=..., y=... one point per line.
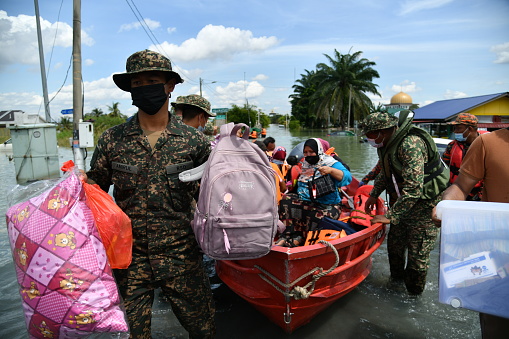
x=301, y=211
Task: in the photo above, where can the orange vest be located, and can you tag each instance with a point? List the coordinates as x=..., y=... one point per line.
x=278, y=177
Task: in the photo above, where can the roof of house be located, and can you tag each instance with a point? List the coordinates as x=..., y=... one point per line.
x=447, y=109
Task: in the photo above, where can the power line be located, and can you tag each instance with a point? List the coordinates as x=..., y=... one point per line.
x=152, y=37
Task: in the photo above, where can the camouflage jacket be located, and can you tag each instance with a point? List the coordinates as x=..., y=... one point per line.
x=413, y=155
x=147, y=188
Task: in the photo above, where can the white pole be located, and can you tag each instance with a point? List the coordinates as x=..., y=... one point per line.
x=41, y=61
x=349, y=105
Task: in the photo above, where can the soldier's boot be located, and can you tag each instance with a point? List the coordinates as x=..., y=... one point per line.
x=415, y=281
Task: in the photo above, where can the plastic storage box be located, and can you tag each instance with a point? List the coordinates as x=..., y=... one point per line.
x=474, y=256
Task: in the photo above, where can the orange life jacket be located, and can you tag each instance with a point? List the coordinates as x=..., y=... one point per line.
x=458, y=152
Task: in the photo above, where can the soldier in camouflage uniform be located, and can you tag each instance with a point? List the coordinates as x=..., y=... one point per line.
x=142, y=159
x=194, y=109
x=414, y=177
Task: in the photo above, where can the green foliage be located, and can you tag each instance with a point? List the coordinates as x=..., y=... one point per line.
x=101, y=123
x=63, y=137
x=114, y=111
x=65, y=124
x=334, y=90
x=294, y=124
x=248, y=114
x=378, y=108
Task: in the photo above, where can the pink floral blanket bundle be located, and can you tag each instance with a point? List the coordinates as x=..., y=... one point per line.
x=65, y=281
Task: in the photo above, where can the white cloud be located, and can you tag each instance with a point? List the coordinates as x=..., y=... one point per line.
x=171, y=29
x=89, y=62
x=502, y=52
x=18, y=38
x=411, y=6
x=450, y=94
x=152, y=24
x=260, y=77
x=237, y=92
x=216, y=42
x=406, y=86
x=98, y=93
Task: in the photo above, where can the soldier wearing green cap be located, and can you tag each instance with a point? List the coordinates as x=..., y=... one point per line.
x=194, y=109
x=413, y=176
x=142, y=159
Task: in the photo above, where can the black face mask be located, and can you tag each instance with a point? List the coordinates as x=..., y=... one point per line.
x=313, y=159
x=149, y=98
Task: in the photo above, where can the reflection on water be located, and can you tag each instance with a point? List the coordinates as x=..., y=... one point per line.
x=370, y=311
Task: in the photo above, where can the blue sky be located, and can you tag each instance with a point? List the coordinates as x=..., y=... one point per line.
x=431, y=49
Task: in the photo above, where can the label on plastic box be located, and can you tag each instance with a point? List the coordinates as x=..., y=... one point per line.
x=476, y=266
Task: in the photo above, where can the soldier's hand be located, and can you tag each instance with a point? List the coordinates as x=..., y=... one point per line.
x=434, y=218
x=370, y=204
x=380, y=218
x=83, y=176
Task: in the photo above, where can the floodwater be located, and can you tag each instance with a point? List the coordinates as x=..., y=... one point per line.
x=372, y=310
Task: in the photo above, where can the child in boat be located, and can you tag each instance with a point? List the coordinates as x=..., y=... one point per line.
x=300, y=211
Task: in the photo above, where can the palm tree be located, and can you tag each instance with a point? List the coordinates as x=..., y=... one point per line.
x=344, y=82
x=96, y=112
x=300, y=100
x=114, y=111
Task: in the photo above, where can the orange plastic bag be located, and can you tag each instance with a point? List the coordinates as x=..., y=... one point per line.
x=113, y=224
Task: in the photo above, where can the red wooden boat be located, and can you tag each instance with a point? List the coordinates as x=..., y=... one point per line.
x=292, y=285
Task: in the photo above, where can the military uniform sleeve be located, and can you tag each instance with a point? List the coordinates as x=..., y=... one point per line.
x=203, y=149
x=413, y=155
x=373, y=173
x=100, y=169
x=379, y=185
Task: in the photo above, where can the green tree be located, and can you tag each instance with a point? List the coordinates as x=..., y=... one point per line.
x=65, y=124
x=342, y=86
x=301, y=99
x=377, y=108
x=114, y=111
x=246, y=114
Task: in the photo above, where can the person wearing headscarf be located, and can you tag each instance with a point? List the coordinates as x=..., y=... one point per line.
x=299, y=211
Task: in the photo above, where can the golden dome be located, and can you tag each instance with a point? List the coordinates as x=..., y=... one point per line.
x=401, y=98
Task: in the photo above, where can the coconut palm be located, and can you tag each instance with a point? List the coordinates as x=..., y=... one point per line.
x=342, y=86
x=300, y=100
x=114, y=111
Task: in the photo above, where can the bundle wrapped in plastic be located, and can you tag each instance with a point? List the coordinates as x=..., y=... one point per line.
x=65, y=282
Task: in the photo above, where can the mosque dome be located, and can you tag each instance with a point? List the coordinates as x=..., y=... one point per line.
x=401, y=98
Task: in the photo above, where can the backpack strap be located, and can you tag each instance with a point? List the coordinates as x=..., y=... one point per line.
x=235, y=129
x=192, y=174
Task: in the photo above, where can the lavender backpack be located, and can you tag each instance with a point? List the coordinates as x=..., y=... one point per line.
x=236, y=215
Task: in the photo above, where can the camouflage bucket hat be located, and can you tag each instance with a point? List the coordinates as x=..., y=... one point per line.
x=466, y=119
x=144, y=61
x=194, y=100
x=377, y=121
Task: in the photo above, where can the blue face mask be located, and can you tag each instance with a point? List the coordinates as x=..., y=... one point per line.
x=201, y=128
x=460, y=137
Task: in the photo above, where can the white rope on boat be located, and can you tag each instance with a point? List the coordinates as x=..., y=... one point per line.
x=300, y=292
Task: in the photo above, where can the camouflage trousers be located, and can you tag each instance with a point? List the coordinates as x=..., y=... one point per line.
x=189, y=294
x=409, y=244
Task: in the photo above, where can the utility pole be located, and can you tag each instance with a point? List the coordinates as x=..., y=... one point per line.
x=349, y=105
x=201, y=85
x=77, y=93
x=41, y=61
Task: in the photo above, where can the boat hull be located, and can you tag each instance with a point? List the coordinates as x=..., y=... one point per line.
x=267, y=282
